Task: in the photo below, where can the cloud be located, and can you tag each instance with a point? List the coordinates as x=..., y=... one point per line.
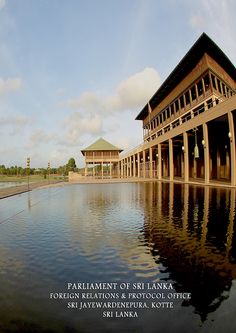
x=39, y=137
x=217, y=19
x=93, y=110
x=131, y=94
x=14, y=121
x=2, y=4
x=197, y=21
x=9, y=85
x=77, y=125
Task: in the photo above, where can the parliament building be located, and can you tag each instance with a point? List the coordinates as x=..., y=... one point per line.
x=189, y=123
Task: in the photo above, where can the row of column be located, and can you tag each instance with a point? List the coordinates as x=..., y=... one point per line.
x=93, y=166
x=149, y=163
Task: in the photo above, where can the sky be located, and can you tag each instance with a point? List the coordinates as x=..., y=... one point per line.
x=72, y=71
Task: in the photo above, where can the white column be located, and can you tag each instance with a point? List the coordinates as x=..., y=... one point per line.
x=144, y=164
x=138, y=158
x=134, y=165
x=159, y=162
x=232, y=148
x=186, y=157
x=150, y=163
x=171, y=160
x=206, y=153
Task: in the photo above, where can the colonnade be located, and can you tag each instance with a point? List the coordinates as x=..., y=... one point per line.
x=202, y=149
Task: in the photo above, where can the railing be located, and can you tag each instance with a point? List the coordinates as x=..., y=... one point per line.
x=175, y=123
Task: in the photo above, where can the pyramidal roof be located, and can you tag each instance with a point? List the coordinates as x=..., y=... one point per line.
x=101, y=145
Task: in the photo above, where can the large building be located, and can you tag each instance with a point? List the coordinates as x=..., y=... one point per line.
x=189, y=123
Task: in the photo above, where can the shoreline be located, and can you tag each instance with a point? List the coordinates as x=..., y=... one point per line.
x=20, y=189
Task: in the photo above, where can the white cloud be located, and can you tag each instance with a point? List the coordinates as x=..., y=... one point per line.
x=14, y=121
x=93, y=110
x=9, y=85
x=2, y=4
x=197, y=21
x=39, y=136
x=131, y=93
x=77, y=126
x=217, y=19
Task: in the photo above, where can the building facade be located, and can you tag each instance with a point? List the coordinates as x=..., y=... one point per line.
x=101, y=159
x=189, y=123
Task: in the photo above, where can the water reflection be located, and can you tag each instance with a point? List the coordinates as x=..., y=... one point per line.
x=144, y=232
x=192, y=229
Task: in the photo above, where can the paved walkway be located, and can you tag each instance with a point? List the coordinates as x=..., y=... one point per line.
x=10, y=191
x=192, y=181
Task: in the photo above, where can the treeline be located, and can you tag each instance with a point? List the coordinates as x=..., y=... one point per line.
x=19, y=171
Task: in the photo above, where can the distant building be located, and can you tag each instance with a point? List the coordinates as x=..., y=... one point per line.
x=189, y=123
x=101, y=159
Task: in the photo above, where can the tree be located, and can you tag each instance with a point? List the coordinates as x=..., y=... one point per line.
x=71, y=166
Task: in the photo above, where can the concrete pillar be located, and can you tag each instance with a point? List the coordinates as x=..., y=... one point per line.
x=171, y=161
x=134, y=165
x=102, y=169
x=159, y=162
x=138, y=165
x=86, y=170
x=150, y=163
x=218, y=164
x=130, y=166
x=186, y=157
x=110, y=169
x=232, y=148
x=144, y=164
x=206, y=153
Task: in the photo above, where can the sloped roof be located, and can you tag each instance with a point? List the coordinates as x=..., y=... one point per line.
x=204, y=44
x=101, y=145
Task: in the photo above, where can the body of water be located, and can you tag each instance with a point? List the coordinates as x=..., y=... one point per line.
x=164, y=251
x=11, y=184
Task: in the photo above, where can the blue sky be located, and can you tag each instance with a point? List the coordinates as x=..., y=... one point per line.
x=72, y=71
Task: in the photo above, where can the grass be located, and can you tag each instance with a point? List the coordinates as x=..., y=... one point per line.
x=32, y=178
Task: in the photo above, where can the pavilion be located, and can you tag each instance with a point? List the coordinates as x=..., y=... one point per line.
x=101, y=159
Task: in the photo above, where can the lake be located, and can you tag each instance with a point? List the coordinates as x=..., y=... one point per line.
x=80, y=258
x=11, y=184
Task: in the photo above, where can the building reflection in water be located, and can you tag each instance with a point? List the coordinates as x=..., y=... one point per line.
x=192, y=232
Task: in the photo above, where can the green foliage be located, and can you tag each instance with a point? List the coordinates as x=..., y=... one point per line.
x=21, y=172
x=71, y=166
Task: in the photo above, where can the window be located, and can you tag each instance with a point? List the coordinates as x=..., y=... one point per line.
x=164, y=116
x=209, y=103
x=172, y=109
x=219, y=86
x=213, y=81
x=193, y=93
x=187, y=97
x=200, y=88
x=177, y=105
x=168, y=112
x=206, y=80
x=224, y=89
x=181, y=101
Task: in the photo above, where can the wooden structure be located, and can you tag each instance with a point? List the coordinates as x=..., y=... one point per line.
x=101, y=159
x=189, y=123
